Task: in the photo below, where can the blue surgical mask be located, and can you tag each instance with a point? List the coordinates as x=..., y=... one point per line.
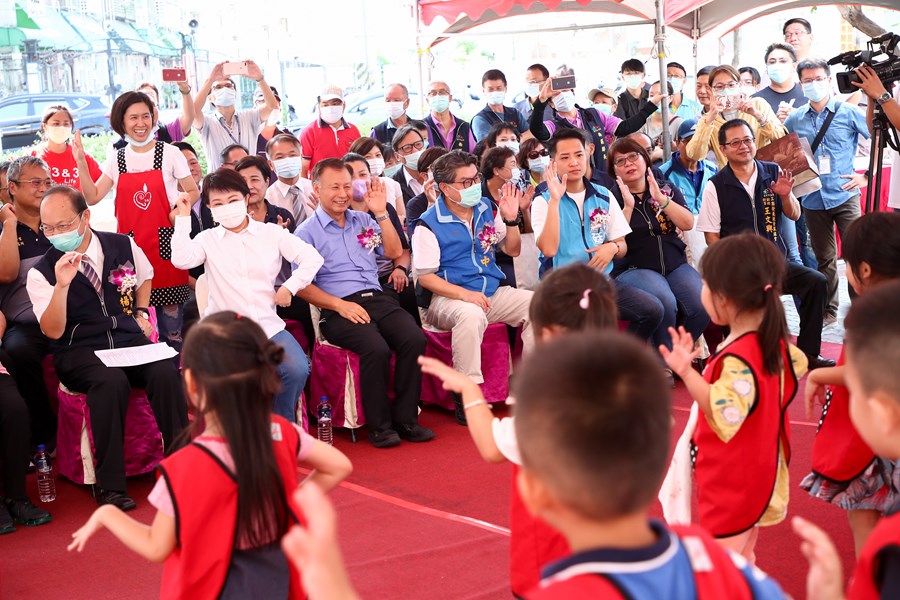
x=539, y=164
x=151, y=138
x=606, y=109
x=412, y=160
x=439, y=103
x=633, y=82
x=496, y=98
x=817, y=90
x=392, y=170
x=470, y=197
x=68, y=241
x=780, y=72
x=565, y=102
x=677, y=84
x=288, y=167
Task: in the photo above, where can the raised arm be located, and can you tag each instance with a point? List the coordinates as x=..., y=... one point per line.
x=203, y=93
x=187, y=108
x=93, y=191
x=187, y=253
x=548, y=240
x=254, y=72
x=9, y=245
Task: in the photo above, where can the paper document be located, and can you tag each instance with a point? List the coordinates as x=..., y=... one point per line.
x=136, y=355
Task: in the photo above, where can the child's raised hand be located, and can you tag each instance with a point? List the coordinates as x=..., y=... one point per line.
x=681, y=355
x=453, y=380
x=825, y=580
x=80, y=537
x=814, y=391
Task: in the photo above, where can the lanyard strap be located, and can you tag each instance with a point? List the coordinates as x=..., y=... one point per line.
x=821, y=134
x=221, y=121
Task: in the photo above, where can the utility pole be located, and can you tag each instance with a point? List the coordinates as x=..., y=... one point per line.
x=110, y=64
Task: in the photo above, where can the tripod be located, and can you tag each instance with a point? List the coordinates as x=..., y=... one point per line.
x=881, y=129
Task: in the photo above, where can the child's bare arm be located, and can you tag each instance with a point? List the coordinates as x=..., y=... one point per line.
x=330, y=464
x=679, y=359
x=154, y=542
x=479, y=416
x=815, y=382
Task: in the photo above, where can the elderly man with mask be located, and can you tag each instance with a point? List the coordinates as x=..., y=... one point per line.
x=396, y=100
x=329, y=136
x=227, y=125
x=444, y=129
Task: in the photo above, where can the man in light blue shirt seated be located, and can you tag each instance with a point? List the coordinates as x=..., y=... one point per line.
x=356, y=313
x=837, y=203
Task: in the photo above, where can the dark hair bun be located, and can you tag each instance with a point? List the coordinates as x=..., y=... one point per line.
x=271, y=354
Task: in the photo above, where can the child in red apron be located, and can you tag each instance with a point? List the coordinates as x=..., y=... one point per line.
x=56, y=126
x=572, y=298
x=146, y=174
x=845, y=471
x=741, y=445
x=229, y=492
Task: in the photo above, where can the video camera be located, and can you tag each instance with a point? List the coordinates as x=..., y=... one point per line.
x=887, y=69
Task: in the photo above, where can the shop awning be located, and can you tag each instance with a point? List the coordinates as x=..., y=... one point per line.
x=91, y=31
x=164, y=43
x=50, y=29
x=127, y=39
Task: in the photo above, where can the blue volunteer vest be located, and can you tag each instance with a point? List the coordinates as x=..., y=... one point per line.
x=678, y=177
x=465, y=260
x=575, y=232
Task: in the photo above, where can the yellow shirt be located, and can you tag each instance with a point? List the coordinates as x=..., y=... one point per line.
x=731, y=398
x=706, y=135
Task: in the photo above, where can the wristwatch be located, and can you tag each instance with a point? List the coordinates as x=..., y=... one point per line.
x=882, y=99
x=142, y=312
x=383, y=217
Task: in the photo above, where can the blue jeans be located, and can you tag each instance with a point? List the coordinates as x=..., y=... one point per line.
x=806, y=252
x=643, y=311
x=787, y=229
x=679, y=292
x=293, y=371
x=169, y=320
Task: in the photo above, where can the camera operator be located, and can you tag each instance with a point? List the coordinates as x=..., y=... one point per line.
x=871, y=84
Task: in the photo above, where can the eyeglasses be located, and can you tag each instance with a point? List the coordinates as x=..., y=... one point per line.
x=538, y=153
x=467, y=183
x=631, y=157
x=795, y=34
x=434, y=93
x=50, y=230
x=813, y=80
x=407, y=148
x=35, y=183
x=725, y=86
x=735, y=144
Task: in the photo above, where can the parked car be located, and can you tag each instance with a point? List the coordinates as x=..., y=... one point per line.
x=20, y=116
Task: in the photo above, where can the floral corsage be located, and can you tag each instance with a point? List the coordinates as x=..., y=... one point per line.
x=488, y=238
x=125, y=280
x=369, y=239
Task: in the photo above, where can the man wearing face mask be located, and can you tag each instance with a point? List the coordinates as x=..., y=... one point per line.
x=469, y=289
x=493, y=84
x=290, y=191
x=782, y=94
x=635, y=96
x=602, y=128
x=410, y=142
x=837, y=203
x=329, y=136
x=229, y=126
x=396, y=99
x=444, y=129
x=535, y=76
x=683, y=106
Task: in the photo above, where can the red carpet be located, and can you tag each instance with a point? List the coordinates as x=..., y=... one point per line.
x=400, y=525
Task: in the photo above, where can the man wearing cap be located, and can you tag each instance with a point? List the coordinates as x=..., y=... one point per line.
x=228, y=126
x=689, y=176
x=396, y=100
x=603, y=99
x=329, y=136
x=493, y=84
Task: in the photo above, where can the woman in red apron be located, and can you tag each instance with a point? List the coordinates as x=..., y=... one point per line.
x=146, y=174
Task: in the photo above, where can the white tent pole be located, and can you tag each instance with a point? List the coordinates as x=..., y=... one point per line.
x=660, y=39
x=420, y=55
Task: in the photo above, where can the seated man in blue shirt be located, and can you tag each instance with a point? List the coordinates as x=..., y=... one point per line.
x=837, y=203
x=356, y=313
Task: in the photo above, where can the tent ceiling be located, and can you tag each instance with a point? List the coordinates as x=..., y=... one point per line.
x=462, y=15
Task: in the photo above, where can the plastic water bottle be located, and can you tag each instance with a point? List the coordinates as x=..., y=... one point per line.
x=324, y=418
x=46, y=481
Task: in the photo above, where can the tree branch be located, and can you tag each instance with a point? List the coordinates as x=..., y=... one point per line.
x=853, y=14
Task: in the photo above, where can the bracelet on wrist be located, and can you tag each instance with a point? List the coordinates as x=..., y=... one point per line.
x=666, y=205
x=478, y=402
x=402, y=268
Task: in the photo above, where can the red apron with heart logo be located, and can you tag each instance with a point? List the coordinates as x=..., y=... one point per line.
x=142, y=211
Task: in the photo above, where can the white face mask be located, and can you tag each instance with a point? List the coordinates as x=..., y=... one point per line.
x=565, y=102
x=395, y=109
x=225, y=96
x=511, y=144
x=376, y=166
x=780, y=72
x=516, y=174
x=496, y=98
x=288, y=167
x=331, y=114
x=533, y=90
x=58, y=134
x=748, y=90
x=230, y=215
x=677, y=84
x=539, y=164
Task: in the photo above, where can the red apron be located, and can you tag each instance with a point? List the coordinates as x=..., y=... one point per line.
x=142, y=211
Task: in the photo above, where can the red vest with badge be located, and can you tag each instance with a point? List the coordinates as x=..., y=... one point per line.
x=205, y=495
x=532, y=544
x=735, y=480
x=142, y=211
x=715, y=575
x=886, y=533
x=839, y=453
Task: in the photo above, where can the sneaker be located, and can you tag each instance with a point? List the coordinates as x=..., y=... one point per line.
x=7, y=525
x=829, y=320
x=26, y=513
x=387, y=438
x=414, y=433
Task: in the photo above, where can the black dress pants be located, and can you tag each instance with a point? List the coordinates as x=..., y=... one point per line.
x=26, y=347
x=812, y=288
x=390, y=328
x=14, y=437
x=107, y=390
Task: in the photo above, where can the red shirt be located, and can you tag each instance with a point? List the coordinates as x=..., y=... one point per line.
x=63, y=169
x=320, y=140
x=865, y=585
